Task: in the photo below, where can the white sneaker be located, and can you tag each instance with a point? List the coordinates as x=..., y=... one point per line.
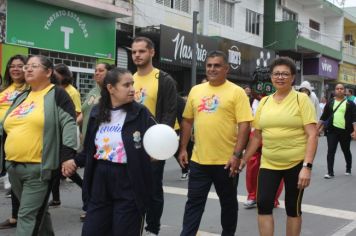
x=184, y=176
x=347, y=173
x=327, y=176
x=250, y=204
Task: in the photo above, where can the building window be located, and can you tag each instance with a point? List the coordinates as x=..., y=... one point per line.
x=314, y=25
x=221, y=12
x=289, y=15
x=314, y=29
x=253, y=22
x=180, y=5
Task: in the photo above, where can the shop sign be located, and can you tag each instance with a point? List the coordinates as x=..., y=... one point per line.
x=176, y=47
x=321, y=66
x=347, y=74
x=55, y=28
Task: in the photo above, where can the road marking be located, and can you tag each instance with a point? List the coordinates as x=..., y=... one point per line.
x=306, y=208
x=344, y=231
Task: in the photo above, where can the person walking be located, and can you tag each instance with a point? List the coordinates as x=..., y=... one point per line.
x=14, y=83
x=156, y=90
x=215, y=109
x=64, y=79
x=286, y=122
x=306, y=88
x=339, y=120
x=38, y=134
x=117, y=175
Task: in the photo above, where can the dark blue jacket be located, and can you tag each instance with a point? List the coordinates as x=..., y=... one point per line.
x=138, y=119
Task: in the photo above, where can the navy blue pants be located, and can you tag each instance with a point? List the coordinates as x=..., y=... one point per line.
x=155, y=209
x=201, y=177
x=111, y=207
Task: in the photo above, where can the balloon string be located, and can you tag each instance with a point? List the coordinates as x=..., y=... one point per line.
x=154, y=120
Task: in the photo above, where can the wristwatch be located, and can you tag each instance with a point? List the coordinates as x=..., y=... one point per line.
x=308, y=165
x=237, y=155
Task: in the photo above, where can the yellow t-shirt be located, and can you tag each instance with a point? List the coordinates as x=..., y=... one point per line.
x=282, y=125
x=24, y=128
x=216, y=112
x=8, y=96
x=146, y=89
x=339, y=115
x=75, y=96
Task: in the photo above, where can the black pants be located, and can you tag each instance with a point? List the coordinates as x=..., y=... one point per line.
x=112, y=208
x=268, y=183
x=335, y=136
x=57, y=180
x=200, y=179
x=155, y=209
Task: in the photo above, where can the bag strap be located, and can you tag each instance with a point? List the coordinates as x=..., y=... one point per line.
x=338, y=106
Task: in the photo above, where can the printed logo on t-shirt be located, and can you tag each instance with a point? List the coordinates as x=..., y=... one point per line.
x=9, y=97
x=23, y=110
x=140, y=95
x=209, y=104
x=109, y=145
x=114, y=153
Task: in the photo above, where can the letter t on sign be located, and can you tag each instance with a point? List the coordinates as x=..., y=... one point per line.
x=66, y=31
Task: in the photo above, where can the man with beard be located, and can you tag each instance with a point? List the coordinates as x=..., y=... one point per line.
x=156, y=90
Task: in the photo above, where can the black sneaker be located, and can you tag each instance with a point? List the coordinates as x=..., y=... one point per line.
x=54, y=203
x=8, y=194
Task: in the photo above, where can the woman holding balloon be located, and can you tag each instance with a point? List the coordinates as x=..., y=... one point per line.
x=117, y=175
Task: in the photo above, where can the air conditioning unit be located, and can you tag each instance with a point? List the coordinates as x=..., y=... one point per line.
x=348, y=37
x=282, y=3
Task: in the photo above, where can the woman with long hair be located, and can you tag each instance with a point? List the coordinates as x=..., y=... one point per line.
x=13, y=84
x=117, y=175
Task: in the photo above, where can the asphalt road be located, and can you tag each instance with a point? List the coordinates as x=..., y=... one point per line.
x=329, y=206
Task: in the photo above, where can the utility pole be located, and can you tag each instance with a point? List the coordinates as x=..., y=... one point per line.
x=194, y=49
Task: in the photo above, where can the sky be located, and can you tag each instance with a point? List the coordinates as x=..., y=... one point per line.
x=347, y=3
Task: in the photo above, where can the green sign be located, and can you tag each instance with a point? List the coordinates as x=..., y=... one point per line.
x=39, y=25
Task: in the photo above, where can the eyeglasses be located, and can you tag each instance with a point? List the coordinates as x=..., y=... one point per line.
x=284, y=75
x=16, y=66
x=33, y=66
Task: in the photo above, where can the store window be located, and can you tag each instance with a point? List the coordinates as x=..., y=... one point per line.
x=221, y=11
x=289, y=15
x=180, y=5
x=252, y=22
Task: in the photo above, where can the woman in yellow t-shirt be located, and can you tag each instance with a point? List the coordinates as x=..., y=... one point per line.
x=286, y=122
x=38, y=137
x=13, y=84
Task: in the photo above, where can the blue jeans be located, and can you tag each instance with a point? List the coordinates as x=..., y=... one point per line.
x=155, y=210
x=200, y=179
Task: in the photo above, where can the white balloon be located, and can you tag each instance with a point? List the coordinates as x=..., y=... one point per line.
x=160, y=142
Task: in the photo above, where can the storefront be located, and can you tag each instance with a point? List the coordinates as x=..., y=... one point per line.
x=322, y=73
x=76, y=39
x=347, y=76
x=175, y=48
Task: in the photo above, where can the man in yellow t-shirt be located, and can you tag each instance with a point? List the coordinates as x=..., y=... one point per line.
x=216, y=109
x=156, y=90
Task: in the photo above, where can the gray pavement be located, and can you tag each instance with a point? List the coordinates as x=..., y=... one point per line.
x=329, y=206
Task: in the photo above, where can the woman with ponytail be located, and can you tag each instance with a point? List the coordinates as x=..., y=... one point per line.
x=118, y=171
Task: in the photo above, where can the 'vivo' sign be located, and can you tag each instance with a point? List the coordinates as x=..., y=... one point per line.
x=325, y=66
x=322, y=66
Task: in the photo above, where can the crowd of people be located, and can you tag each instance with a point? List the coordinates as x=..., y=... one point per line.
x=47, y=133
